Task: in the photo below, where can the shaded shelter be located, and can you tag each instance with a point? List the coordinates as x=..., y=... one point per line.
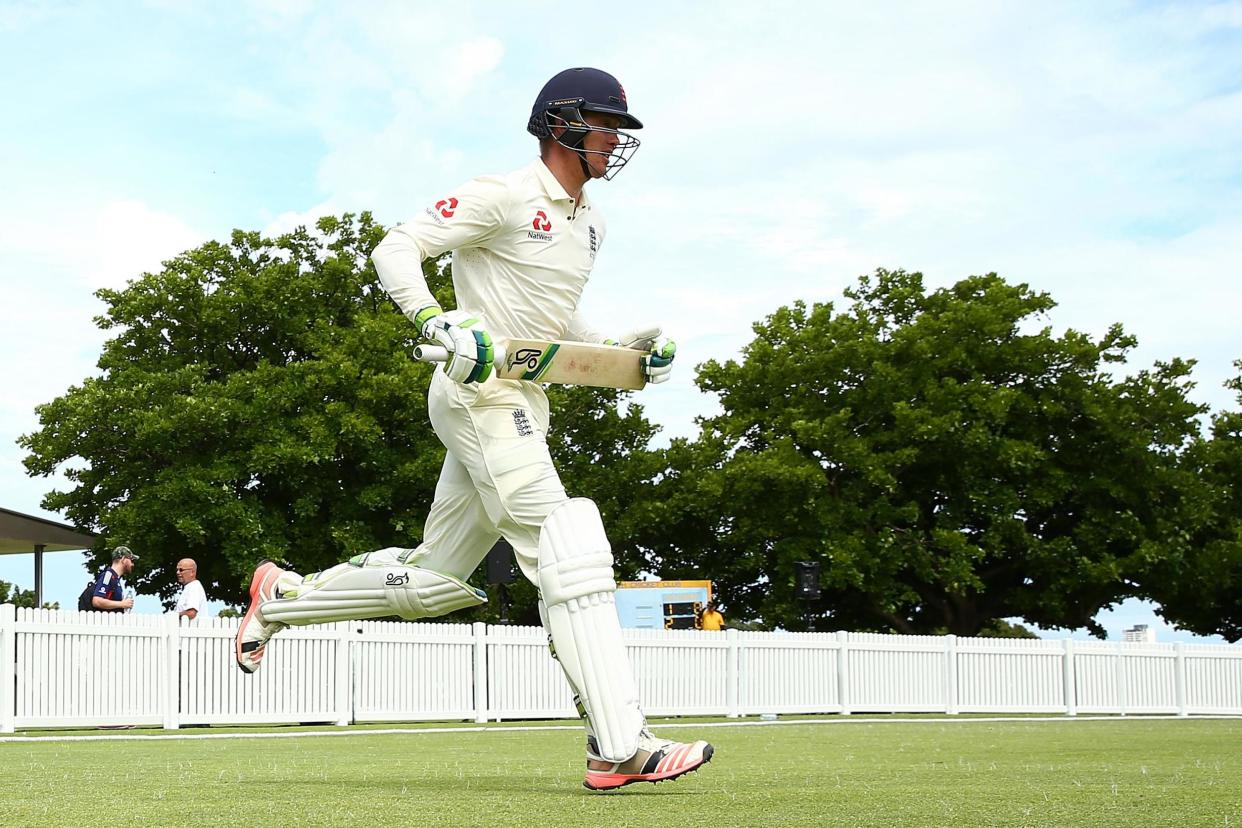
x=22, y=534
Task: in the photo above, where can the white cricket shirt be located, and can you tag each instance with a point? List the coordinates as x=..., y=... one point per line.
x=522, y=253
x=192, y=596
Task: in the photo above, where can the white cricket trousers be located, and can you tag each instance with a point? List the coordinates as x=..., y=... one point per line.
x=497, y=479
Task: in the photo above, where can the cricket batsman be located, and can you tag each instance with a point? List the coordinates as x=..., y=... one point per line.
x=523, y=247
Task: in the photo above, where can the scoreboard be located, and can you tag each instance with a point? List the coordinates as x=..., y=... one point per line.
x=661, y=605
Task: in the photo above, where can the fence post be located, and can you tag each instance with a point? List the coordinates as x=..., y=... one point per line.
x=843, y=652
x=1067, y=672
x=344, y=674
x=1119, y=677
x=170, y=676
x=8, y=668
x=950, y=674
x=733, y=676
x=480, y=671
x=1179, y=678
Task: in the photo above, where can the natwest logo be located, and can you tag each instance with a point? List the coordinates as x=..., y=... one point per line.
x=541, y=221
x=446, y=206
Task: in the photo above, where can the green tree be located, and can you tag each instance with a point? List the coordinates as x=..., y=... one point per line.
x=13, y=594
x=1196, y=577
x=947, y=463
x=1000, y=628
x=258, y=400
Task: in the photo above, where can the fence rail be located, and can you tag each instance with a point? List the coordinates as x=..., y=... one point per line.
x=67, y=669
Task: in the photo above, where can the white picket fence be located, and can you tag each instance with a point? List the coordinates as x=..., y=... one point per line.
x=71, y=669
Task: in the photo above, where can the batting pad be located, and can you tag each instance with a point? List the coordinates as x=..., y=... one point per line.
x=353, y=591
x=576, y=584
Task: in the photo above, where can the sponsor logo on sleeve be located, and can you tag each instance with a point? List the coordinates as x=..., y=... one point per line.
x=445, y=208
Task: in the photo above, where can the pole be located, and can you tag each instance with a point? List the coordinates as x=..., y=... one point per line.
x=38, y=579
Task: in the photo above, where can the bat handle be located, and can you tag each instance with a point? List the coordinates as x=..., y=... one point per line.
x=431, y=353
x=438, y=353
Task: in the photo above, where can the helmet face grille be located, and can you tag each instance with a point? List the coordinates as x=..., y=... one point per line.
x=573, y=132
x=559, y=108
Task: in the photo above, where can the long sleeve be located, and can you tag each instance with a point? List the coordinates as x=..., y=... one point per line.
x=466, y=218
x=399, y=262
x=579, y=330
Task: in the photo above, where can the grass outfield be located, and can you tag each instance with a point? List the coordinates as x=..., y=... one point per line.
x=1126, y=772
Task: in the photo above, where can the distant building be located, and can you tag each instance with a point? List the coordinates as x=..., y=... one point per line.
x=1140, y=633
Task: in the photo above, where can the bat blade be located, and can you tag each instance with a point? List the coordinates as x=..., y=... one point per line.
x=572, y=363
x=565, y=363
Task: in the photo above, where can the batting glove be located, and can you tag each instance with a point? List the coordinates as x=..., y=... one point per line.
x=640, y=339
x=658, y=364
x=470, y=348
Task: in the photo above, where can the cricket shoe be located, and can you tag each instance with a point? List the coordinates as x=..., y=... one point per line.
x=253, y=634
x=656, y=761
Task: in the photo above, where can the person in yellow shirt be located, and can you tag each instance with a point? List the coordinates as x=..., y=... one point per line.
x=711, y=618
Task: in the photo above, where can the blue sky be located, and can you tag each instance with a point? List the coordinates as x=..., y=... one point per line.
x=1090, y=150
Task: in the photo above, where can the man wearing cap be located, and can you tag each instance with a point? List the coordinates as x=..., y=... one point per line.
x=109, y=592
x=523, y=248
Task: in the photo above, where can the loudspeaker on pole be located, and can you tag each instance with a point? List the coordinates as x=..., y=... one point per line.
x=500, y=563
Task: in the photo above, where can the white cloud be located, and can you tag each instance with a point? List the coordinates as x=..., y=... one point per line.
x=101, y=246
x=289, y=221
x=51, y=264
x=126, y=239
x=18, y=15
x=382, y=171
x=279, y=15
x=469, y=61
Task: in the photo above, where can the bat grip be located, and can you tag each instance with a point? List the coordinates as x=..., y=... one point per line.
x=431, y=353
x=438, y=353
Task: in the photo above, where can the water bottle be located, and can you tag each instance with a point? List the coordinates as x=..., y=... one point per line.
x=130, y=594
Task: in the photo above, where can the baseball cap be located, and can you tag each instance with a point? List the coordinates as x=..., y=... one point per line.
x=123, y=552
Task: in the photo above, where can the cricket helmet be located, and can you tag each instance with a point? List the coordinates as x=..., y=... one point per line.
x=563, y=102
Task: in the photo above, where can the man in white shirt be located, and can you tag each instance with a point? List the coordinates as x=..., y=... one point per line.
x=523, y=248
x=193, y=599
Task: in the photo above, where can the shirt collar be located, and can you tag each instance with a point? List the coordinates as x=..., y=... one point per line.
x=553, y=187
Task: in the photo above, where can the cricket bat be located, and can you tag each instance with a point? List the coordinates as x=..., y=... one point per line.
x=566, y=363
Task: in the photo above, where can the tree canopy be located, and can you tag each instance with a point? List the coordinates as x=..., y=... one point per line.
x=14, y=594
x=258, y=400
x=1196, y=576
x=945, y=460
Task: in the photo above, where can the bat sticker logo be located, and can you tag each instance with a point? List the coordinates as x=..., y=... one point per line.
x=529, y=357
x=534, y=361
